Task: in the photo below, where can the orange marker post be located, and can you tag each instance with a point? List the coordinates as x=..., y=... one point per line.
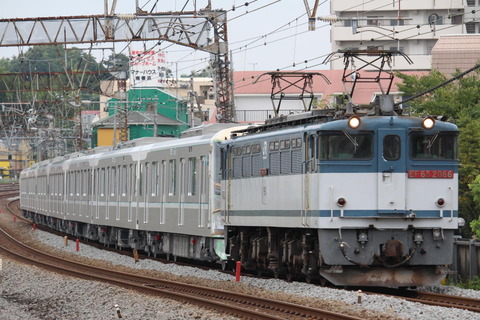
x=77, y=245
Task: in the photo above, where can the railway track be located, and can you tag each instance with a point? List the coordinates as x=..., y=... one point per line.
x=9, y=190
x=232, y=303
x=434, y=299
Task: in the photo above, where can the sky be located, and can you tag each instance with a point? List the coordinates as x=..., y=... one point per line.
x=266, y=35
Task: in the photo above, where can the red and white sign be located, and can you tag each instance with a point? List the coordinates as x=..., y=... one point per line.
x=149, y=68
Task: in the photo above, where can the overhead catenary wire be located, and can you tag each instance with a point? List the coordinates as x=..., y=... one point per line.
x=460, y=75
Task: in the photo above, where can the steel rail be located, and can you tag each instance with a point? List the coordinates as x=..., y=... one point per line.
x=233, y=303
x=430, y=298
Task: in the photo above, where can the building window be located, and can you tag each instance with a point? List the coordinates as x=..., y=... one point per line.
x=350, y=22
x=374, y=48
x=151, y=107
x=396, y=22
x=396, y=49
x=470, y=26
x=435, y=19
x=457, y=19
x=372, y=21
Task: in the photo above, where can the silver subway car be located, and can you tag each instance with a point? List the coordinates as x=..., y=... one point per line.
x=158, y=196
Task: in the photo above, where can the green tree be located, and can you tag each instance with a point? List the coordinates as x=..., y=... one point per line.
x=459, y=102
x=50, y=77
x=117, y=62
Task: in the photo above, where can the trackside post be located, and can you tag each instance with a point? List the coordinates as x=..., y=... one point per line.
x=238, y=269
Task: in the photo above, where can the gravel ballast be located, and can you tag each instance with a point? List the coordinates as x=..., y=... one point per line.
x=30, y=293
x=392, y=306
x=74, y=299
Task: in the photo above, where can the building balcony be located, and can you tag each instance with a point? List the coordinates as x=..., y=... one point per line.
x=388, y=5
x=420, y=62
x=385, y=33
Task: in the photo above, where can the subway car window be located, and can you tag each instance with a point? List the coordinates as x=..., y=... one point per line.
x=439, y=146
x=391, y=147
x=345, y=146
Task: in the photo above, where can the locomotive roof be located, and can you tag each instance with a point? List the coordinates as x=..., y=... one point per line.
x=368, y=123
x=375, y=122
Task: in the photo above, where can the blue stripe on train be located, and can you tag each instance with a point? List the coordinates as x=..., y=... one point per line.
x=355, y=166
x=346, y=213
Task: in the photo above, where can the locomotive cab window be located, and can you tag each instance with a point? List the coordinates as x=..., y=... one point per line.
x=345, y=146
x=439, y=146
x=391, y=147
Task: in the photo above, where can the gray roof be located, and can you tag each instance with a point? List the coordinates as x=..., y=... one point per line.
x=139, y=118
x=206, y=129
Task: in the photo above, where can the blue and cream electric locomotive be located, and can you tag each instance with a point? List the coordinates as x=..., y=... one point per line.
x=368, y=201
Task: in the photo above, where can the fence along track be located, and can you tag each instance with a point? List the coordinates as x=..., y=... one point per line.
x=232, y=303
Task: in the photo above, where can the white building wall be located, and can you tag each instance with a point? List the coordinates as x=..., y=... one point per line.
x=394, y=5
x=258, y=107
x=416, y=37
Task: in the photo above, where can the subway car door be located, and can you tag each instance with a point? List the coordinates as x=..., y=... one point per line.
x=391, y=171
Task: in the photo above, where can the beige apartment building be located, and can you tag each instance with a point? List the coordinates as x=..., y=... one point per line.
x=410, y=26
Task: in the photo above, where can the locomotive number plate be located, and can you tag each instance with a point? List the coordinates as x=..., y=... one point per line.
x=430, y=174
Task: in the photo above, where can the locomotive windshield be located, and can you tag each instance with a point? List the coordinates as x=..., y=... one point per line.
x=439, y=146
x=343, y=146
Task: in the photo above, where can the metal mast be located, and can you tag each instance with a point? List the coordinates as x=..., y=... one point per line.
x=204, y=30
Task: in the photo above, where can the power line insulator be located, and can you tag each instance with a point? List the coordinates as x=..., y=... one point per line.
x=331, y=18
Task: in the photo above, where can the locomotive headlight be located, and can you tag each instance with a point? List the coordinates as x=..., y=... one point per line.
x=354, y=122
x=440, y=202
x=461, y=222
x=428, y=123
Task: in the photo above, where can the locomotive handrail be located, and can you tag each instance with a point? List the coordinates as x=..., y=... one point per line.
x=227, y=195
x=331, y=203
x=451, y=201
